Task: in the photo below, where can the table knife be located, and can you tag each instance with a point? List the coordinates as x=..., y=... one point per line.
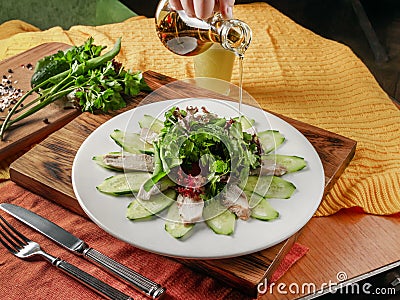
x=76, y=245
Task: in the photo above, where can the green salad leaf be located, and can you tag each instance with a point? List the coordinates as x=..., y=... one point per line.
x=209, y=144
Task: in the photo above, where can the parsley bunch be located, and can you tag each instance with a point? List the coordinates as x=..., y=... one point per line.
x=103, y=88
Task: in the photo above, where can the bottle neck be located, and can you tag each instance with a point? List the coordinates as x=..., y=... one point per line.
x=235, y=36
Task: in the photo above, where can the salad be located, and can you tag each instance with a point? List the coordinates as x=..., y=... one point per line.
x=197, y=166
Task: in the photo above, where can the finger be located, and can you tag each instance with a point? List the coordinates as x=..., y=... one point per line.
x=216, y=6
x=188, y=7
x=176, y=4
x=203, y=8
x=226, y=8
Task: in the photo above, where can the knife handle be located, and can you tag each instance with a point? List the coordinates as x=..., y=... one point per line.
x=94, y=283
x=138, y=281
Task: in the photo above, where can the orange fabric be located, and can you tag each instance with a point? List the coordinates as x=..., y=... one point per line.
x=38, y=280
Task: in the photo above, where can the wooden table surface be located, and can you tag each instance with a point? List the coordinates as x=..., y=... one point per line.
x=349, y=242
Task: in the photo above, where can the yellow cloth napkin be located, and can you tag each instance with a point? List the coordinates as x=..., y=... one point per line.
x=8, y=29
x=289, y=70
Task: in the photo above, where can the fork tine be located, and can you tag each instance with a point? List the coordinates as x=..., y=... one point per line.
x=24, y=238
x=12, y=250
x=11, y=246
x=12, y=239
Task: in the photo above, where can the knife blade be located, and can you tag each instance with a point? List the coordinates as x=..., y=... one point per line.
x=77, y=246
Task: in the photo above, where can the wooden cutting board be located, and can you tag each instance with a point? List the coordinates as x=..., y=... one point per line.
x=46, y=170
x=18, y=71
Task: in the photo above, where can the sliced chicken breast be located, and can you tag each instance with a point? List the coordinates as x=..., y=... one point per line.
x=190, y=209
x=236, y=201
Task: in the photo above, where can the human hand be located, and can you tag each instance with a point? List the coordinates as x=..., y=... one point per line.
x=204, y=9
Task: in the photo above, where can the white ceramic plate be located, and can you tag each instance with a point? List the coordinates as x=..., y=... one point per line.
x=108, y=212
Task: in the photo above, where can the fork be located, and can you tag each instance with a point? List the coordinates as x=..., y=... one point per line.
x=24, y=248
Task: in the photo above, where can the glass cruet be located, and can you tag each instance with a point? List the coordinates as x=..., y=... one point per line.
x=189, y=36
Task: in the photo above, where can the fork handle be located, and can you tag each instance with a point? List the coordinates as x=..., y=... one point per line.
x=138, y=281
x=94, y=283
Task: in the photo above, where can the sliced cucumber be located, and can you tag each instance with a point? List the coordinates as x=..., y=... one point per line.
x=245, y=121
x=264, y=211
x=270, y=187
x=270, y=140
x=290, y=162
x=174, y=225
x=99, y=160
x=261, y=209
x=131, y=142
x=253, y=198
x=219, y=218
x=258, y=184
x=123, y=184
x=280, y=188
x=138, y=209
x=151, y=123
